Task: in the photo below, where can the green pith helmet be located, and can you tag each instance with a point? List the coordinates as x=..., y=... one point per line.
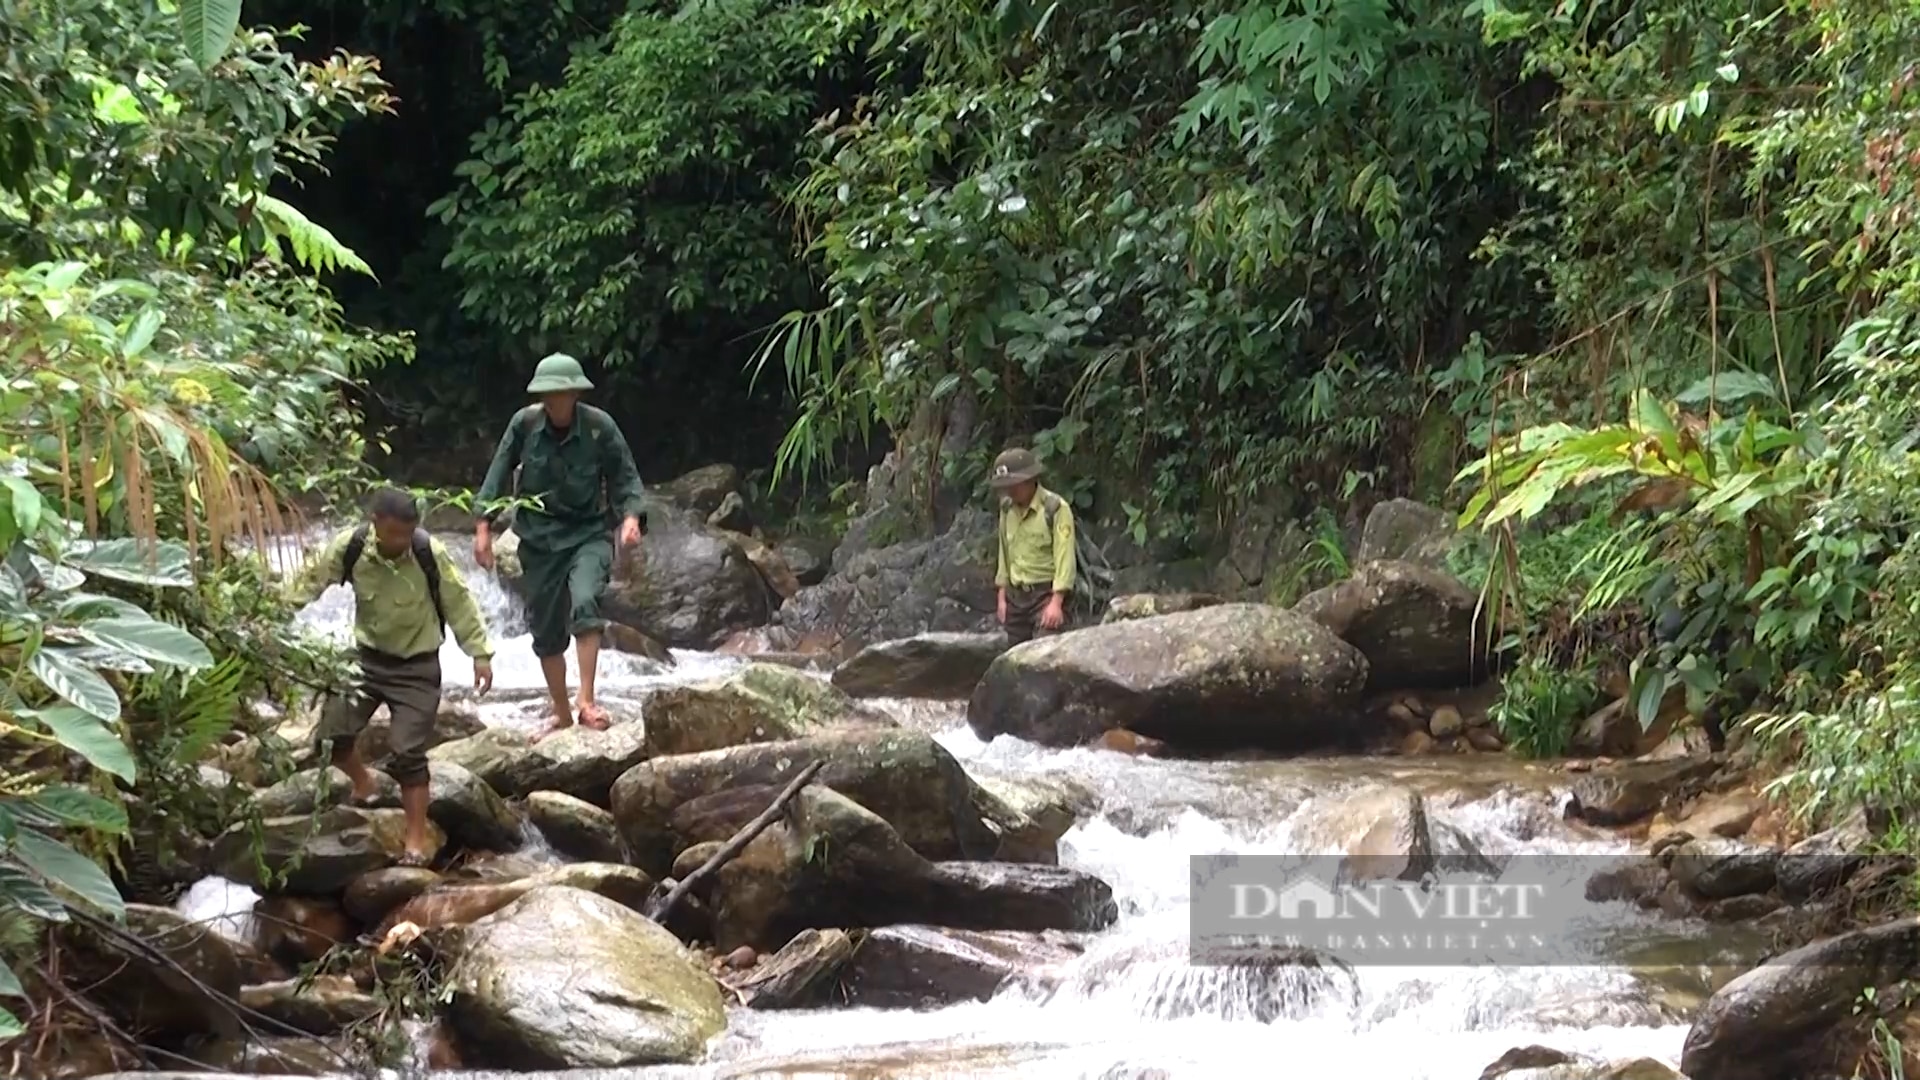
x=556, y=373
x=1013, y=468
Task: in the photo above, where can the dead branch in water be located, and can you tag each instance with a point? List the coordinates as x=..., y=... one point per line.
x=659, y=910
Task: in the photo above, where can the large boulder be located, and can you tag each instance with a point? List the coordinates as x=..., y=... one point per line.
x=702, y=490
x=692, y=586
x=1715, y=868
x=1149, y=605
x=319, y=854
x=1790, y=1018
x=755, y=704
x=1417, y=626
x=833, y=863
x=883, y=593
x=667, y=804
x=175, y=980
x=579, y=761
x=1625, y=793
x=1031, y=814
x=562, y=978
x=1405, y=531
x=1824, y=861
x=943, y=667
x=1230, y=676
x=457, y=903
x=1366, y=834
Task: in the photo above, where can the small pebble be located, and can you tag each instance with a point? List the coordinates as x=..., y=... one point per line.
x=742, y=958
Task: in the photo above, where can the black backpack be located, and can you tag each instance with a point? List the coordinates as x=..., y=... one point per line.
x=422, y=554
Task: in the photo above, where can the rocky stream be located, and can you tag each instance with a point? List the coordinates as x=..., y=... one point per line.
x=942, y=905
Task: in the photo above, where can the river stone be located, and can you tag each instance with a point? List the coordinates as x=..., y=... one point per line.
x=694, y=586
x=148, y=996
x=918, y=967
x=703, y=489
x=1524, y=1058
x=1229, y=676
x=472, y=813
x=320, y=1005
x=1404, y=530
x=941, y=667
x=756, y=704
x=1824, y=861
x=1715, y=868
x=301, y=792
x=579, y=761
x=460, y=903
x=575, y=827
x=1635, y=1069
x=320, y=853
x=1374, y=833
x=904, y=776
x=1149, y=605
x=1623, y=794
x=1784, y=1019
x=259, y=1055
x=695, y=857
x=801, y=975
x=562, y=978
x=625, y=639
x=810, y=560
x=768, y=561
x=832, y=863
x=1415, y=625
x=1031, y=814
x=1613, y=730
x=731, y=514
x=373, y=895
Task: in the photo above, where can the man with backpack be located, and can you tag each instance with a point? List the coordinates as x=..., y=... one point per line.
x=574, y=460
x=406, y=595
x=1036, y=544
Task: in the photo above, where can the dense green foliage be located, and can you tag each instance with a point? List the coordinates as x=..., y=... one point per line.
x=172, y=374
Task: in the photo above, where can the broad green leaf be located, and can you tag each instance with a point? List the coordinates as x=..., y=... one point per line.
x=66, y=869
x=1728, y=387
x=27, y=504
x=19, y=890
x=140, y=335
x=56, y=578
x=101, y=658
x=150, y=639
x=165, y=563
x=1651, y=418
x=88, y=736
x=1649, y=691
x=81, y=605
x=75, y=682
x=65, y=806
x=9, y=987
x=10, y=1026
x=209, y=26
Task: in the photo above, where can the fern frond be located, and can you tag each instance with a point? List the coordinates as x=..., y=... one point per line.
x=313, y=245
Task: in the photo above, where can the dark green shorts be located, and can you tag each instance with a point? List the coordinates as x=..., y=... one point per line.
x=563, y=590
x=1024, y=605
x=410, y=689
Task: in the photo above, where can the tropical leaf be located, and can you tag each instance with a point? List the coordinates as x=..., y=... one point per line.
x=136, y=562
x=10, y=1026
x=88, y=736
x=209, y=26
x=76, y=683
x=53, y=578
x=65, y=806
x=66, y=869
x=86, y=605
x=20, y=891
x=150, y=639
x=28, y=506
x=9, y=987
x=313, y=246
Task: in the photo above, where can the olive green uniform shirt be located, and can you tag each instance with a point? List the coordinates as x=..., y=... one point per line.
x=392, y=609
x=1032, y=553
x=569, y=471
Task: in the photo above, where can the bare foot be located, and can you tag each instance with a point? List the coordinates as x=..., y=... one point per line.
x=593, y=716
x=554, y=727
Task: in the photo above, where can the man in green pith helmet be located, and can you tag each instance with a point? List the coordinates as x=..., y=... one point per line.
x=573, y=457
x=1036, y=538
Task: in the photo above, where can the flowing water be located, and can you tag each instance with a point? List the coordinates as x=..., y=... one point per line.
x=1132, y=1005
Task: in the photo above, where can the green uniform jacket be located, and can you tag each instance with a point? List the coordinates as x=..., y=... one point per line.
x=569, y=471
x=392, y=609
x=1036, y=543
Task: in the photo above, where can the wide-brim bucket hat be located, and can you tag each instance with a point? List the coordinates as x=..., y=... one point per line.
x=1013, y=468
x=557, y=373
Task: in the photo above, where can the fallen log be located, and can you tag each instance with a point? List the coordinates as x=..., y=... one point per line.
x=660, y=907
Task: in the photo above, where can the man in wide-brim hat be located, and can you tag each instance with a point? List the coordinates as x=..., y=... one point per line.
x=573, y=457
x=1036, y=538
